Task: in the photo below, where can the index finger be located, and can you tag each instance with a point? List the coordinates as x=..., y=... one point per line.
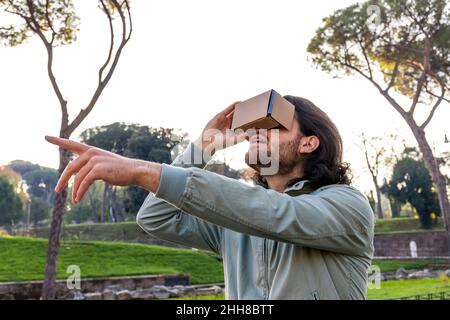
x=67, y=144
x=230, y=108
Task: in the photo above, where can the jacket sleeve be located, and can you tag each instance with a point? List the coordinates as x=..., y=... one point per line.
x=334, y=218
x=167, y=222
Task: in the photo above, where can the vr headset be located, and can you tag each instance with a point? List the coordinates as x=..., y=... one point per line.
x=265, y=111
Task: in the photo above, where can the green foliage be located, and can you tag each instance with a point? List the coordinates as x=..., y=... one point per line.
x=39, y=210
x=134, y=141
x=223, y=169
x=396, y=225
x=41, y=183
x=22, y=166
x=348, y=42
x=11, y=210
x=392, y=289
x=54, y=20
x=395, y=289
x=24, y=259
x=412, y=183
x=121, y=231
x=113, y=137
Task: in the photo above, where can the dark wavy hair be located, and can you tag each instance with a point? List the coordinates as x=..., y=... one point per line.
x=324, y=166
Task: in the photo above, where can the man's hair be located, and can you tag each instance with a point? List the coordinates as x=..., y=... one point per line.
x=324, y=165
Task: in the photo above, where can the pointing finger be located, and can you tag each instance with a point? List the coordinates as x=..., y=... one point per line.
x=67, y=144
x=70, y=169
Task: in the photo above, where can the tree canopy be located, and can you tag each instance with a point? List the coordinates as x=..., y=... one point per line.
x=412, y=183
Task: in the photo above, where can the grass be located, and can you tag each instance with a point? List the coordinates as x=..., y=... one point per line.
x=393, y=265
x=399, y=225
x=122, y=231
x=131, y=232
x=24, y=259
x=402, y=288
x=388, y=290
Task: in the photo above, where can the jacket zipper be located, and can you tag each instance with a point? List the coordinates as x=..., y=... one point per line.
x=266, y=267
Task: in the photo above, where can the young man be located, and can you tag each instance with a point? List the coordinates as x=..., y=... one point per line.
x=301, y=233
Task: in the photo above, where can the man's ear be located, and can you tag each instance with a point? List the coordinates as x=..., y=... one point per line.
x=309, y=144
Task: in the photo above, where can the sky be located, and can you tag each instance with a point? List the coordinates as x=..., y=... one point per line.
x=185, y=62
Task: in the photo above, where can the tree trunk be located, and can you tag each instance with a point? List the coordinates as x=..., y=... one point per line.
x=438, y=179
x=118, y=216
x=93, y=203
x=378, y=192
x=105, y=192
x=48, y=288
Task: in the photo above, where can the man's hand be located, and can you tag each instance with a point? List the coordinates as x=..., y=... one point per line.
x=98, y=164
x=219, y=125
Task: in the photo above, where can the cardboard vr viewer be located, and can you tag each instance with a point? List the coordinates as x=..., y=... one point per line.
x=264, y=111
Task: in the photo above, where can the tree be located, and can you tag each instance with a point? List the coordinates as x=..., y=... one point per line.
x=11, y=210
x=55, y=23
x=150, y=144
x=39, y=210
x=379, y=152
x=412, y=183
x=408, y=52
x=222, y=168
x=113, y=137
x=41, y=183
x=22, y=166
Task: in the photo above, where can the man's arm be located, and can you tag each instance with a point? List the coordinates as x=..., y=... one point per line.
x=165, y=221
x=156, y=216
x=338, y=218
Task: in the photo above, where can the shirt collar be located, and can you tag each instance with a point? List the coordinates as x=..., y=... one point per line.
x=296, y=186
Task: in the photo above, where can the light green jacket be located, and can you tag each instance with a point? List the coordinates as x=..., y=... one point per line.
x=273, y=245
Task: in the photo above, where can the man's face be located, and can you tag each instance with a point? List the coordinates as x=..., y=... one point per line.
x=276, y=148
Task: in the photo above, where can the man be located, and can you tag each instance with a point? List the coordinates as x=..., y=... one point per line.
x=302, y=233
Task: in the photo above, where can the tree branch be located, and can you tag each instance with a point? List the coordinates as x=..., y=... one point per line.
x=111, y=46
x=394, y=73
x=102, y=84
x=385, y=94
x=436, y=105
x=49, y=47
x=50, y=25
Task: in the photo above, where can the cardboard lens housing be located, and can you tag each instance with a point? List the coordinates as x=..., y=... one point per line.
x=264, y=111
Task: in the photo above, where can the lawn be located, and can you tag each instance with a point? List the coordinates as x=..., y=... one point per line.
x=403, y=288
x=24, y=259
x=388, y=290
x=131, y=232
x=393, y=265
x=398, y=225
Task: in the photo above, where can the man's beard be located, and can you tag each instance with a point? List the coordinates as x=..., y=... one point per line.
x=288, y=157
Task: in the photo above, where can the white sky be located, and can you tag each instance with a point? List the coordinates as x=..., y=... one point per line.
x=186, y=61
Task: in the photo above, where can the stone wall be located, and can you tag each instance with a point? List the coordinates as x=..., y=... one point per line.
x=429, y=244
x=32, y=289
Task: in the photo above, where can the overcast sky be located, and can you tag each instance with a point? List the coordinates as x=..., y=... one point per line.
x=186, y=61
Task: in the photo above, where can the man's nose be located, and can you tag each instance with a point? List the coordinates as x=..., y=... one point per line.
x=250, y=133
x=257, y=131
